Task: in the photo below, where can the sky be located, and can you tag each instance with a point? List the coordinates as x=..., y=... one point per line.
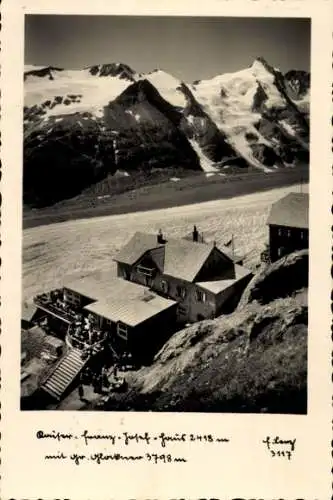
x=189, y=48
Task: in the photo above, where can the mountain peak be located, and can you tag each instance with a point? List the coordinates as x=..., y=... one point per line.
x=119, y=69
x=260, y=63
x=41, y=71
x=156, y=70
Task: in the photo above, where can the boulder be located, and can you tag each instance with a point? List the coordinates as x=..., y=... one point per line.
x=281, y=279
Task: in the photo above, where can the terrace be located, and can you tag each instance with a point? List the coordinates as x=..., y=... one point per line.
x=83, y=335
x=53, y=303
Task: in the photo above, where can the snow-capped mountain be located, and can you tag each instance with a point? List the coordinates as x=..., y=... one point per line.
x=244, y=103
x=83, y=124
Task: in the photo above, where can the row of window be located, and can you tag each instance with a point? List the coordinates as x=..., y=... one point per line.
x=72, y=297
x=288, y=233
x=181, y=291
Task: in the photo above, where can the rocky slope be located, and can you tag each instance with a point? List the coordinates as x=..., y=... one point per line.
x=80, y=125
x=253, y=360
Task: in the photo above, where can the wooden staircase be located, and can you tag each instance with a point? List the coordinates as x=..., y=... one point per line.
x=64, y=373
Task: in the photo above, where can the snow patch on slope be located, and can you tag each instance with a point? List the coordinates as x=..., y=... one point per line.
x=206, y=164
x=166, y=85
x=95, y=92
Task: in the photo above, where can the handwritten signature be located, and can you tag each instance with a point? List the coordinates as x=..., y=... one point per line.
x=278, y=447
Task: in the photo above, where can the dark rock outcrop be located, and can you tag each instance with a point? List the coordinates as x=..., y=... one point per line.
x=264, y=154
x=259, y=98
x=280, y=279
x=147, y=130
x=121, y=70
x=48, y=71
x=198, y=125
x=63, y=157
x=297, y=83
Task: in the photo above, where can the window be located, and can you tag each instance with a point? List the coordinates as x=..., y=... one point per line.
x=200, y=295
x=146, y=271
x=181, y=291
x=125, y=274
x=182, y=310
x=122, y=330
x=72, y=298
x=302, y=235
x=164, y=286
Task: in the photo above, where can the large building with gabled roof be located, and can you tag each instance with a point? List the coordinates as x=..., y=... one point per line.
x=201, y=278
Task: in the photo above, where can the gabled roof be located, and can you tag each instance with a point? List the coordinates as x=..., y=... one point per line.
x=133, y=311
x=184, y=259
x=105, y=287
x=291, y=211
x=218, y=286
x=118, y=299
x=139, y=244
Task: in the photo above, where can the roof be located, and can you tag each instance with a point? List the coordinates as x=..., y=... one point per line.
x=139, y=244
x=184, y=259
x=291, y=211
x=27, y=311
x=105, y=287
x=217, y=287
x=118, y=299
x=132, y=311
x=226, y=250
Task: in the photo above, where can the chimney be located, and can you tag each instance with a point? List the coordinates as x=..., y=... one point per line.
x=195, y=234
x=160, y=238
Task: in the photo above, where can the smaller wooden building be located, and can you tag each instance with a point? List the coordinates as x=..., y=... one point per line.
x=137, y=320
x=288, y=225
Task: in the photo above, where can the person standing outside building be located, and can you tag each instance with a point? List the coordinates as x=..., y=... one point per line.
x=81, y=391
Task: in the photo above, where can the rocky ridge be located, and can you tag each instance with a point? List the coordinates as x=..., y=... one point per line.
x=81, y=125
